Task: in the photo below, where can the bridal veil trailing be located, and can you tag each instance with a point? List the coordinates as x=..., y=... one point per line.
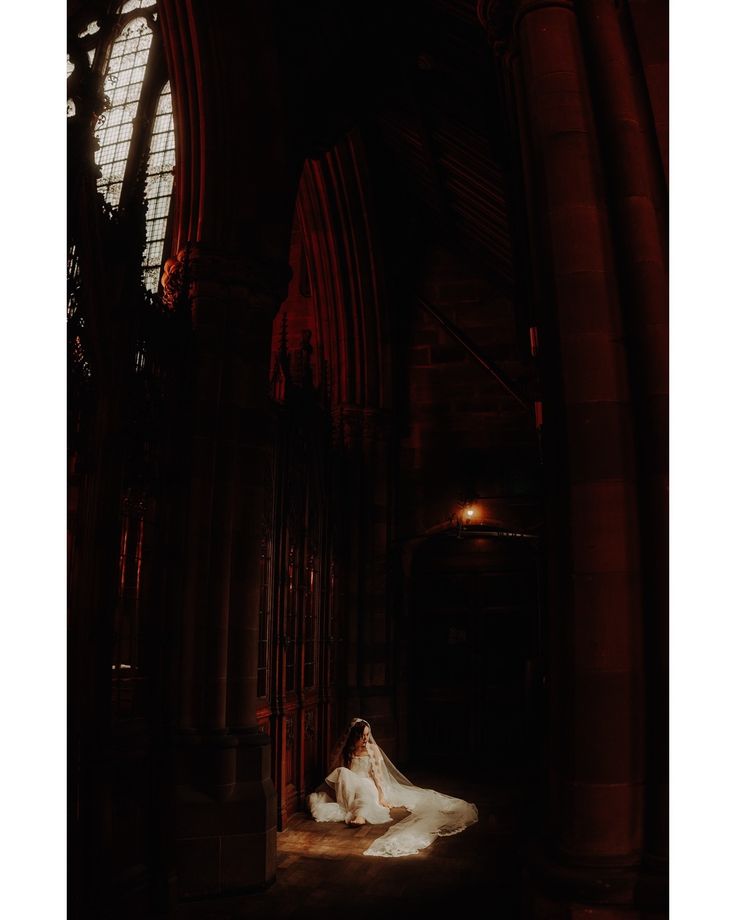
x=367, y=784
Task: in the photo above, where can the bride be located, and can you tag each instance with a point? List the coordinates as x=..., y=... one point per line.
x=366, y=785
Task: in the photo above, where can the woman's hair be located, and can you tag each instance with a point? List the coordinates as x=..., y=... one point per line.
x=352, y=741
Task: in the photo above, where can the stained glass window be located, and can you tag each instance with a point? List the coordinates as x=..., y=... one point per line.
x=159, y=183
x=137, y=117
x=136, y=5
x=135, y=140
x=123, y=83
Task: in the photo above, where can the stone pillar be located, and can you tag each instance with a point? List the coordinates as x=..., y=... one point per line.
x=638, y=210
x=226, y=807
x=237, y=175
x=596, y=759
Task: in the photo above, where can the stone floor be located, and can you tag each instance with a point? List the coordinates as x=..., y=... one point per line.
x=322, y=872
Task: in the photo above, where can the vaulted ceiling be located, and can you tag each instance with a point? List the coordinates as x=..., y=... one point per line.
x=418, y=78
x=445, y=129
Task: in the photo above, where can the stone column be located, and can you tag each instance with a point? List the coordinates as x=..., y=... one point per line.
x=637, y=191
x=237, y=175
x=226, y=808
x=596, y=760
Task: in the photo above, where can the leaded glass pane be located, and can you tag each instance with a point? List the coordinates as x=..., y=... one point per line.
x=136, y=5
x=159, y=184
x=123, y=83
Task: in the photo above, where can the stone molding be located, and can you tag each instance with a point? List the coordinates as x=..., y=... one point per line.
x=198, y=271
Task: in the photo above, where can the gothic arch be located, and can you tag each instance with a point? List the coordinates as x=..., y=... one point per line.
x=229, y=110
x=231, y=236
x=330, y=355
x=333, y=210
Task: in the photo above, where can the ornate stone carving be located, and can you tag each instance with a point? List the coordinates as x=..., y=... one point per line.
x=173, y=280
x=198, y=269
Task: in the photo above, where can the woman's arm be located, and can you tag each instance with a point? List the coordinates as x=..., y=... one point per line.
x=376, y=774
x=381, y=800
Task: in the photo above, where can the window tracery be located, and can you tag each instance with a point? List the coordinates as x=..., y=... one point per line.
x=121, y=135
x=159, y=186
x=123, y=85
x=116, y=69
x=136, y=5
x=91, y=29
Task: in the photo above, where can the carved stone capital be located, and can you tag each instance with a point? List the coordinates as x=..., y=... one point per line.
x=174, y=281
x=201, y=271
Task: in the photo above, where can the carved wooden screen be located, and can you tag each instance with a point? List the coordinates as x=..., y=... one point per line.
x=297, y=625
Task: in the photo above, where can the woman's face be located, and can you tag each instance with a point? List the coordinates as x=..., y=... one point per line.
x=363, y=740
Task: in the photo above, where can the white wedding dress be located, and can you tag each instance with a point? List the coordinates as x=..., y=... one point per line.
x=349, y=792
x=356, y=793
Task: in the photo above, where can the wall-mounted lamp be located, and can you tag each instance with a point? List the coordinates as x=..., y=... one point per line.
x=478, y=517
x=469, y=515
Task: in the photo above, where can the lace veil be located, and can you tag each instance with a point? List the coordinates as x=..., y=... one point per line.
x=432, y=814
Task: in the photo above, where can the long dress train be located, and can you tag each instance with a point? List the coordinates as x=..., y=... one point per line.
x=349, y=792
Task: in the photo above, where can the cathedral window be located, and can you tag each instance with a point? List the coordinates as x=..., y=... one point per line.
x=136, y=5
x=123, y=84
x=121, y=131
x=134, y=132
x=159, y=184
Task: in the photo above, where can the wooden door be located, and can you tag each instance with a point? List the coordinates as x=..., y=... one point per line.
x=299, y=577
